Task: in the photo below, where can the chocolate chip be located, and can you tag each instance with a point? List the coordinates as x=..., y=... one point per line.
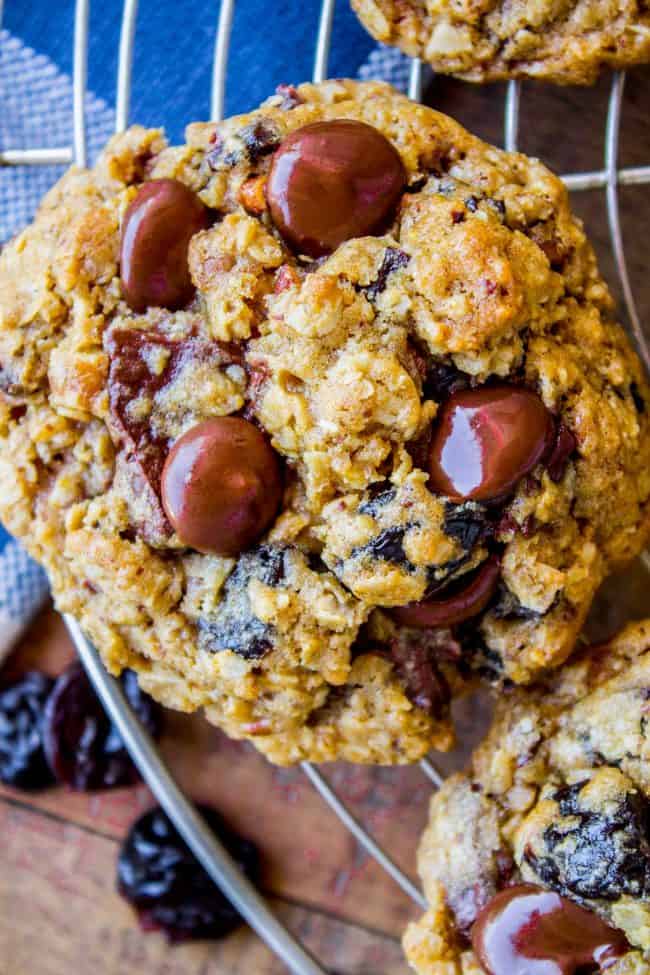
x=333, y=181
x=443, y=379
x=486, y=440
x=131, y=375
x=156, y=231
x=221, y=485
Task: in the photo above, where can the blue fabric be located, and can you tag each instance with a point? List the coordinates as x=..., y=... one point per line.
x=272, y=43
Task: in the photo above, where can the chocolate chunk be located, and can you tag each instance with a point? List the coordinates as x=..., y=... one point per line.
x=142, y=363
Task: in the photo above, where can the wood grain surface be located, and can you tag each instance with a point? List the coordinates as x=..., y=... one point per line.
x=59, y=913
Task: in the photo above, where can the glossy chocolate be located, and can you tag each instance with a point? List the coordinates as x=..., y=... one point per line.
x=487, y=439
x=158, y=225
x=462, y=605
x=332, y=181
x=221, y=486
x=527, y=930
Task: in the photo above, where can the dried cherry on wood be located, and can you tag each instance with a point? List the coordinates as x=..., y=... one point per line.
x=82, y=746
x=169, y=889
x=22, y=759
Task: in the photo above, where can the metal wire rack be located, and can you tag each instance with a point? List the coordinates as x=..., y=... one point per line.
x=206, y=847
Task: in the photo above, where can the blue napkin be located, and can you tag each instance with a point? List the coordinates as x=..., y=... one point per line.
x=271, y=44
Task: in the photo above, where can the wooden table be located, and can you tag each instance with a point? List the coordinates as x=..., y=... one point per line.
x=59, y=913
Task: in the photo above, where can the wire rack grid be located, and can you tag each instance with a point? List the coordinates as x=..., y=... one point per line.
x=202, y=841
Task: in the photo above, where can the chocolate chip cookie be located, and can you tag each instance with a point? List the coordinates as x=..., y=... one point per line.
x=567, y=42
x=538, y=858
x=319, y=417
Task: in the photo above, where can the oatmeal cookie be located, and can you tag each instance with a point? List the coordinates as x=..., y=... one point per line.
x=319, y=416
x=552, y=816
x=565, y=42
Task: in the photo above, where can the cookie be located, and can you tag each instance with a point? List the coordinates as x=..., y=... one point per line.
x=552, y=817
x=238, y=377
x=567, y=43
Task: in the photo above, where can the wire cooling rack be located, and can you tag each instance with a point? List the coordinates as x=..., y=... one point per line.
x=206, y=847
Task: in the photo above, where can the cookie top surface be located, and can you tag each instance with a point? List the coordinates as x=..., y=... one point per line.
x=567, y=42
x=231, y=431
x=557, y=799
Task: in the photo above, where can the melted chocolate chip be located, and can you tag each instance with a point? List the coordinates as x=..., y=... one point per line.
x=221, y=485
x=526, y=930
x=485, y=440
x=508, y=607
x=378, y=497
x=333, y=181
x=157, y=228
x=394, y=259
x=132, y=374
x=465, y=598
